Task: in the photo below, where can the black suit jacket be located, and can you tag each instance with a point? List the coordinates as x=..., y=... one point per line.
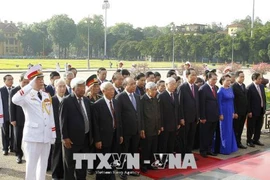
x=240, y=99
x=208, y=104
x=254, y=100
x=56, y=105
x=50, y=89
x=132, y=123
x=103, y=122
x=5, y=102
x=71, y=120
x=189, y=105
x=150, y=115
x=169, y=111
x=16, y=113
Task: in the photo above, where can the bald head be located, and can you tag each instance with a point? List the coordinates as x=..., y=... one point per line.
x=129, y=84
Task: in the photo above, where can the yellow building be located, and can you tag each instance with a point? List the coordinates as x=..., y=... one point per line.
x=10, y=45
x=234, y=28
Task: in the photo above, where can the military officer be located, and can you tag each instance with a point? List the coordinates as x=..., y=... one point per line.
x=39, y=129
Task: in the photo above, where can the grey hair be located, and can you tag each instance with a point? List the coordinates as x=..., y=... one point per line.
x=105, y=85
x=150, y=85
x=169, y=80
x=58, y=81
x=76, y=81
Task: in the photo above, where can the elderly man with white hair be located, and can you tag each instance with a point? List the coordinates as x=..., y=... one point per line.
x=107, y=125
x=76, y=129
x=169, y=112
x=57, y=159
x=151, y=118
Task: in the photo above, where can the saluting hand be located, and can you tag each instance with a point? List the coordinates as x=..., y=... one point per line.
x=67, y=143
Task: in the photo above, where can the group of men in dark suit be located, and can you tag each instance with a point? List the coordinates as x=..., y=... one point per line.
x=132, y=116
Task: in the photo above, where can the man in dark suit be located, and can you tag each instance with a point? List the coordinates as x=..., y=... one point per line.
x=151, y=118
x=240, y=106
x=101, y=75
x=7, y=128
x=76, y=128
x=256, y=110
x=189, y=108
x=140, y=83
x=50, y=88
x=17, y=119
x=169, y=115
x=57, y=155
x=209, y=114
x=132, y=124
x=117, y=81
x=68, y=77
x=107, y=125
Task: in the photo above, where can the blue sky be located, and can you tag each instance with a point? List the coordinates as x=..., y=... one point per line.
x=140, y=13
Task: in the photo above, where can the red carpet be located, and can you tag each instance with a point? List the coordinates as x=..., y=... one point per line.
x=256, y=166
x=203, y=164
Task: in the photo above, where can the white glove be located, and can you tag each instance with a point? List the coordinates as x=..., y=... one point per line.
x=53, y=141
x=33, y=81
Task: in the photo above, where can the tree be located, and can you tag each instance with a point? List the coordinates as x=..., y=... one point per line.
x=62, y=29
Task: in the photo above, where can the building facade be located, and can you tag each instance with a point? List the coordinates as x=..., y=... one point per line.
x=9, y=44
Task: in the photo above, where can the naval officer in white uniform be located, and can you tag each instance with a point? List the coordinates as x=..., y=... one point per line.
x=39, y=128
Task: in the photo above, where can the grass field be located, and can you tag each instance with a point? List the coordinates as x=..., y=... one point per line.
x=19, y=64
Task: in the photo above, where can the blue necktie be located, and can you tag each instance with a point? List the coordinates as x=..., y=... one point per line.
x=133, y=101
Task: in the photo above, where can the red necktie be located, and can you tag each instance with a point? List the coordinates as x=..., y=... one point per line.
x=214, y=92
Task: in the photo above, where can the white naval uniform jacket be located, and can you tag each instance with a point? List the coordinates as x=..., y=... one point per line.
x=39, y=121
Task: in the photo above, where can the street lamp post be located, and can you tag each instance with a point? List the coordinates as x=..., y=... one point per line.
x=252, y=20
x=233, y=36
x=105, y=6
x=173, y=31
x=88, y=43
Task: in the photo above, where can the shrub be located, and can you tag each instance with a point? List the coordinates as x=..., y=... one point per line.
x=139, y=68
x=262, y=68
x=231, y=68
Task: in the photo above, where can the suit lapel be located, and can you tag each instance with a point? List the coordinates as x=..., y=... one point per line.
x=189, y=90
x=129, y=101
x=106, y=107
x=76, y=102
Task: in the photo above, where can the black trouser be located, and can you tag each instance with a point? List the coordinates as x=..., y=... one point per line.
x=112, y=148
x=57, y=161
x=149, y=147
x=254, y=126
x=70, y=173
x=180, y=141
x=217, y=138
x=18, y=134
x=197, y=137
x=130, y=145
x=206, y=136
x=166, y=141
x=190, y=130
x=7, y=136
x=238, y=126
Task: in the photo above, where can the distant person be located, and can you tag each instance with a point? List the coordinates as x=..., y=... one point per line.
x=125, y=73
x=149, y=76
x=161, y=86
x=140, y=84
x=101, y=75
x=50, y=88
x=225, y=94
x=157, y=76
x=186, y=66
x=68, y=77
x=93, y=89
x=58, y=68
x=74, y=70
x=117, y=81
x=171, y=73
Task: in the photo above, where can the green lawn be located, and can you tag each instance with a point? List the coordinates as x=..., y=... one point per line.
x=13, y=64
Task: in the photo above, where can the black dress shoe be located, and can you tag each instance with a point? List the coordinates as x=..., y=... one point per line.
x=19, y=160
x=211, y=154
x=204, y=155
x=123, y=176
x=134, y=173
x=258, y=143
x=5, y=153
x=250, y=144
x=241, y=146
